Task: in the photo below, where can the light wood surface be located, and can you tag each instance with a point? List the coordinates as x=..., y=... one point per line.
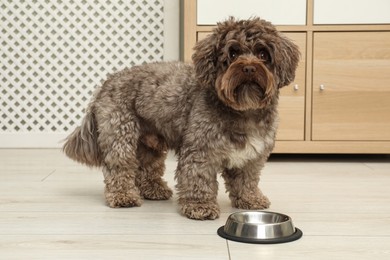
x=354, y=68
x=332, y=147
x=189, y=28
x=53, y=208
x=292, y=101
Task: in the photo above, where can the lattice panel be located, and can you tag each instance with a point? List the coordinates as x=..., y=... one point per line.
x=55, y=52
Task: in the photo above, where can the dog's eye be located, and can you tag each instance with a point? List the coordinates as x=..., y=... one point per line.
x=233, y=53
x=264, y=55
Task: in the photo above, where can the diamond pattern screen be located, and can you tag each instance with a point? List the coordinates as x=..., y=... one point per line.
x=55, y=52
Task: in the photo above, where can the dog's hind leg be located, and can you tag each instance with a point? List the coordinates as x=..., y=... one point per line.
x=119, y=140
x=151, y=153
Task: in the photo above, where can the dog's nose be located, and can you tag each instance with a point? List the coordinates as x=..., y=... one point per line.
x=249, y=69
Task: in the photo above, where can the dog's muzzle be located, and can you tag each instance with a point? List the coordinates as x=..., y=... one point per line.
x=246, y=84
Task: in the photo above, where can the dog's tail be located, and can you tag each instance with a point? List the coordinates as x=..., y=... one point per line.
x=82, y=145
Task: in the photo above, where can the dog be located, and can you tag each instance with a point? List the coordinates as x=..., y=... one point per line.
x=218, y=114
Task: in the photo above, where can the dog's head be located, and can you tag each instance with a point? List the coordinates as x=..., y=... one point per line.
x=246, y=61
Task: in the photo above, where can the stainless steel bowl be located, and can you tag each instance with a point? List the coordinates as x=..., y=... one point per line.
x=259, y=227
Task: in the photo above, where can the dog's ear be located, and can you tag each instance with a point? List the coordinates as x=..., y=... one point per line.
x=205, y=59
x=286, y=61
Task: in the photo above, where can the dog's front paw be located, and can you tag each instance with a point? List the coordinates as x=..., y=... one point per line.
x=200, y=210
x=251, y=202
x=123, y=199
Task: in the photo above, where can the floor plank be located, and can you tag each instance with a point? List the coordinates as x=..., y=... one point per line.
x=113, y=247
x=318, y=248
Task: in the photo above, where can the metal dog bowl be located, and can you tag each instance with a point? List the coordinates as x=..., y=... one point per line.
x=259, y=227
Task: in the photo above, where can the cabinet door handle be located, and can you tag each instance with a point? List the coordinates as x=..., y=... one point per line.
x=296, y=87
x=322, y=87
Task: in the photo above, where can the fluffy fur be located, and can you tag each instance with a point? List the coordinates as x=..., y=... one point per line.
x=219, y=116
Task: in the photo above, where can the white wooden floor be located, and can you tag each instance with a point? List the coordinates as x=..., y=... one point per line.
x=53, y=208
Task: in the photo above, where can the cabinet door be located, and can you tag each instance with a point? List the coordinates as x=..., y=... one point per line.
x=292, y=98
x=351, y=11
x=351, y=86
x=281, y=12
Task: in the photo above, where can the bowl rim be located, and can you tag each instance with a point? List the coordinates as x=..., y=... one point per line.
x=295, y=236
x=287, y=218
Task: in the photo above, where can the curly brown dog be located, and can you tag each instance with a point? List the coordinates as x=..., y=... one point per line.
x=219, y=115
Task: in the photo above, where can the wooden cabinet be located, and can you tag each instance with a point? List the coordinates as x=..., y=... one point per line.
x=351, y=86
x=340, y=99
x=292, y=98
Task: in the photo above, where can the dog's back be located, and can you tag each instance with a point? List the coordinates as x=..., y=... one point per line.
x=157, y=92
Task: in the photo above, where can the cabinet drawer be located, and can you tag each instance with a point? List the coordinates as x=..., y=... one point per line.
x=353, y=69
x=280, y=12
x=351, y=12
